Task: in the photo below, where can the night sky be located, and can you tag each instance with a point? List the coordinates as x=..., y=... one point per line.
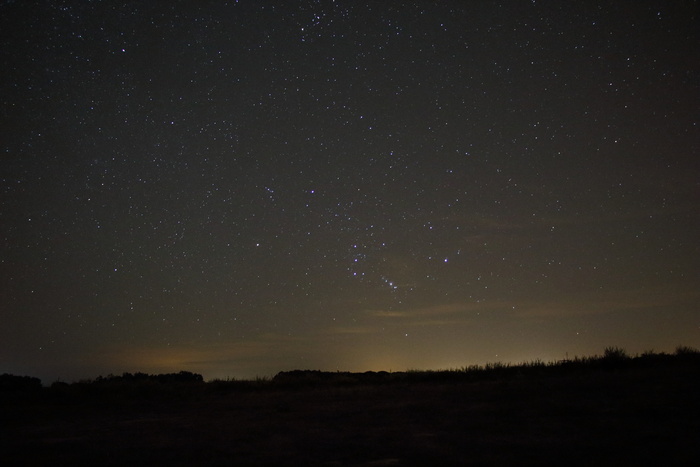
x=244, y=187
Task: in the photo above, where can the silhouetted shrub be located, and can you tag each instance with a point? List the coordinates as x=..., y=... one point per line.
x=651, y=359
x=615, y=353
x=181, y=377
x=685, y=350
x=13, y=383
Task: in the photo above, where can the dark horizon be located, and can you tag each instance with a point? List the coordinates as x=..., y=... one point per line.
x=617, y=355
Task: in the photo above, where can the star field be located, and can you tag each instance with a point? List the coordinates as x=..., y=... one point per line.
x=239, y=188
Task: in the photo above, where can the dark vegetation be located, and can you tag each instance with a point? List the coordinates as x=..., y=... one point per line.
x=613, y=409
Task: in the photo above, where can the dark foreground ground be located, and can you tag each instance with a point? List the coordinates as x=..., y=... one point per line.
x=596, y=417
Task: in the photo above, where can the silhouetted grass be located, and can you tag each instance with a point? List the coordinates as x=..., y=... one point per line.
x=611, y=409
x=613, y=358
x=144, y=386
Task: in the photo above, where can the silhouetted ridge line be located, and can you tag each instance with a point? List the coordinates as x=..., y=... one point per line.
x=614, y=358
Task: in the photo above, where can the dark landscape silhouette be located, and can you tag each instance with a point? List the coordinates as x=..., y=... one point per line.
x=613, y=409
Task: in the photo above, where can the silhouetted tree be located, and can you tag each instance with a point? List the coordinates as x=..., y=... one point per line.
x=13, y=383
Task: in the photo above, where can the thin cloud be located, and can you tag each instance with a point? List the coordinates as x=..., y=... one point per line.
x=349, y=330
x=438, y=310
